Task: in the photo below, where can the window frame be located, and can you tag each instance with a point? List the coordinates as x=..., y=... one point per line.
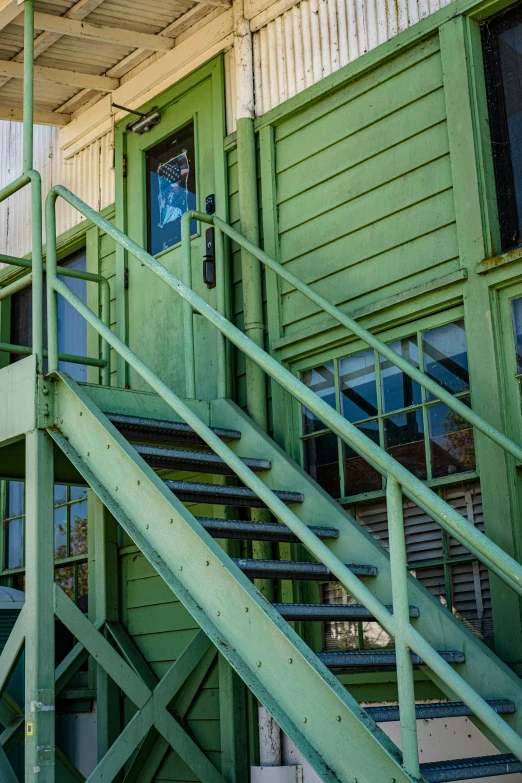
x=349, y=348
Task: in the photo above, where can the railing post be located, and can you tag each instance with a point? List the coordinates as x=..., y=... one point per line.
x=51, y=265
x=221, y=308
x=37, y=266
x=401, y=619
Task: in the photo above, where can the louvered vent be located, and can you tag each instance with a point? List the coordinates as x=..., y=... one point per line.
x=7, y=621
x=439, y=562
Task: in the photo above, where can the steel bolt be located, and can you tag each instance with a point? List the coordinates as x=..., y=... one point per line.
x=218, y=613
x=290, y=660
x=208, y=562
x=338, y=718
x=81, y=413
x=246, y=608
x=138, y=481
x=305, y=720
x=108, y=445
x=115, y=489
x=171, y=521
x=181, y=568
x=258, y=664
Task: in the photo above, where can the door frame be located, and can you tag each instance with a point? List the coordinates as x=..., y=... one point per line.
x=213, y=70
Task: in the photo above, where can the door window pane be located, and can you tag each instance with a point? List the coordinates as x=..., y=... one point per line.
x=358, y=386
x=15, y=498
x=60, y=532
x=78, y=533
x=171, y=188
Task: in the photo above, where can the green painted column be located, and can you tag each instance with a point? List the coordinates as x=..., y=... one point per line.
x=496, y=468
x=39, y=585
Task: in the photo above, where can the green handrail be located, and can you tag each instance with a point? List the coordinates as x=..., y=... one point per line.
x=27, y=280
x=409, y=637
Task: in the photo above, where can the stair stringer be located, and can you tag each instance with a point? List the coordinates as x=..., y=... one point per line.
x=485, y=671
x=328, y=726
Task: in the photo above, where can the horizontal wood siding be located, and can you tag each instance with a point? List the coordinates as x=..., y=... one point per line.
x=364, y=192
x=161, y=628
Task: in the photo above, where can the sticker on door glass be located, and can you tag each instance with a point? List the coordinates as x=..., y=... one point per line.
x=171, y=188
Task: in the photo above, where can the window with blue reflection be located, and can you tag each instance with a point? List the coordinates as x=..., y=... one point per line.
x=321, y=381
x=446, y=357
x=358, y=386
x=399, y=390
x=171, y=188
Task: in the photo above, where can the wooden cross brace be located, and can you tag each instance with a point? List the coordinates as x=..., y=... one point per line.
x=152, y=729
x=151, y=697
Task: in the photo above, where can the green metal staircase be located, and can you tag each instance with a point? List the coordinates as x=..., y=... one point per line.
x=297, y=686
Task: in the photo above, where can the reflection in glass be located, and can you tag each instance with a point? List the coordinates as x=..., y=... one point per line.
x=321, y=381
x=171, y=188
x=446, y=358
x=15, y=498
x=83, y=587
x=404, y=440
x=64, y=578
x=60, y=532
x=517, y=328
x=78, y=530
x=72, y=327
x=359, y=476
x=399, y=390
x=60, y=494
x=77, y=493
x=451, y=442
x=322, y=462
x=358, y=387
x=15, y=543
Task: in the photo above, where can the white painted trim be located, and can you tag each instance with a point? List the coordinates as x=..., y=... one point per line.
x=9, y=10
x=40, y=117
x=262, y=18
x=157, y=77
x=59, y=76
x=243, y=64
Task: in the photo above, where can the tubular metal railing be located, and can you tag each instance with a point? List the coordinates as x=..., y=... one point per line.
x=90, y=277
x=399, y=479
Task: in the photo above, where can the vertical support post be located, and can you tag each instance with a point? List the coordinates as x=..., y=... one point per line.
x=106, y=590
x=39, y=606
x=188, y=315
x=221, y=308
x=51, y=269
x=401, y=618
x=249, y=211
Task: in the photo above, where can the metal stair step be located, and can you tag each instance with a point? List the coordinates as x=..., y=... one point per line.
x=259, y=531
x=222, y=494
x=184, y=459
x=159, y=431
x=292, y=569
x=467, y=769
x=329, y=612
x=443, y=709
x=376, y=658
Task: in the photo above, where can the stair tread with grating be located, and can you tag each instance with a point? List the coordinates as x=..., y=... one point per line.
x=185, y=459
x=223, y=494
x=377, y=658
x=443, y=709
x=293, y=569
x=160, y=431
x=329, y=612
x=468, y=769
x=259, y=531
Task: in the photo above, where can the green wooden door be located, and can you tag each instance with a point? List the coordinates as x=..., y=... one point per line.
x=170, y=169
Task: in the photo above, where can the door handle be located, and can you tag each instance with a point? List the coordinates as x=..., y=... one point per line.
x=209, y=260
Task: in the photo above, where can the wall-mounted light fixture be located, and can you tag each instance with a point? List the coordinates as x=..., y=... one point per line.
x=145, y=121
